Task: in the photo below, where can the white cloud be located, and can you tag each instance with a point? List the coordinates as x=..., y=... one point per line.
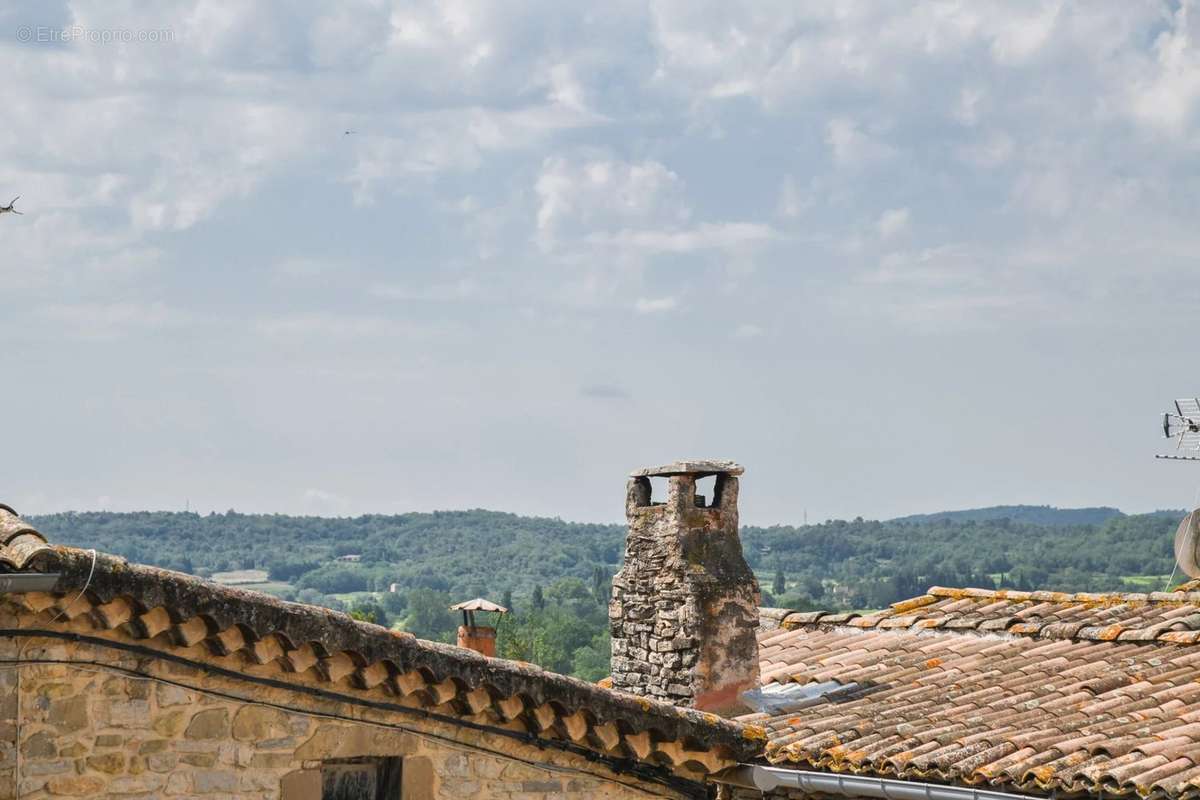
x=707, y=236
x=566, y=90
x=931, y=267
x=421, y=146
x=108, y=321
x=782, y=53
x=967, y=109
x=305, y=267
x=324, y=503
x=852, y=147
x=577, y=197
x=1047, y=192
x=320, y=326
x=604, y=391
x=893, y=222
x=748, y=330
x=1166, y=97
x=453, y=290
x=536, y=171
x=943, y=287
x=792, y=202
x=655, y=305
x=994, y=150
x=1020, y=36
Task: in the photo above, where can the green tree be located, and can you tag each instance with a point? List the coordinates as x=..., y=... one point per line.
x=601, y=585
x=369, y=611
x=395, y=602
x=521, y=639
x=779, y=585
x=593, y=661
x=429, y=616
x=536, y=599
x=812, y=586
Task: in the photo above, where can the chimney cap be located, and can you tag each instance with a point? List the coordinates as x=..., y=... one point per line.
x=697, y=466
x=479, y=604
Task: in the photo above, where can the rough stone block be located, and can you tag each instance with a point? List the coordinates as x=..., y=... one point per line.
x=70, y=713
x=259, y=724
x=168, y=695
x=210, y=724
x=45, y=768
x=170, y=724
x=125, y=713
x=110, y=763
x=39, y=745
x=541, y=786
x=162, y=762
x=145, y=783
x=211, y=781
x=178, y=783
x=75, y=785
x=199, y=759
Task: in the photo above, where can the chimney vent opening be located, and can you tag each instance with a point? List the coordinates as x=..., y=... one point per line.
x=659, y=488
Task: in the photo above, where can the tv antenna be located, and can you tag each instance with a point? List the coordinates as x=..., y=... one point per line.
x=1184, y=427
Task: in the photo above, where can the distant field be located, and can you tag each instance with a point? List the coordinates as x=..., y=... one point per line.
x=1151, y=583
x=269, y=587
x=350, y=598
x=239, y=577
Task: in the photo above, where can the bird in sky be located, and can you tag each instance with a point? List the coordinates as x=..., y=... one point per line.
x=347, y=133
x=8, y=209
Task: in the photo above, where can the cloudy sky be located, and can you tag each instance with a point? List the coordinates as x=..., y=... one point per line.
x=892, y=256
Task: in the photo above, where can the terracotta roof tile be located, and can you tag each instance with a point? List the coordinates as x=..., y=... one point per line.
x=1031, y=692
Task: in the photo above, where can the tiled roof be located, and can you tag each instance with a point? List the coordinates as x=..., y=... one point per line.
x=1027, y=691
x=176, y=613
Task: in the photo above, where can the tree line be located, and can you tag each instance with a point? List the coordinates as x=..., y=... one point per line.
x=555, y=575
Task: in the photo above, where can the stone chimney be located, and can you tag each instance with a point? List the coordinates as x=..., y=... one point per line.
x=684, y=608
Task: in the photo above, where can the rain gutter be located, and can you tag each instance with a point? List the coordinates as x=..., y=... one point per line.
x=756, y=776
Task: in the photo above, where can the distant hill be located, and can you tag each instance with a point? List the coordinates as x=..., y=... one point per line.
x=556, y=575
x=1034, y=515
x=487, y=553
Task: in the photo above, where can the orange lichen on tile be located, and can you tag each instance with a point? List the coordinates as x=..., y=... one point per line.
x=909, y=605
x=1024, y=691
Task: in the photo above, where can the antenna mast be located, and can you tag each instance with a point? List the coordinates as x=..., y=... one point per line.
x=1184, y=427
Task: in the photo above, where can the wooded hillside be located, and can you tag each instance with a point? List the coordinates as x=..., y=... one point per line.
x=556, y=574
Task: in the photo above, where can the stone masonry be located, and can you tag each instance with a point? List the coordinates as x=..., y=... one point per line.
x=684, y=606
x=72, y=726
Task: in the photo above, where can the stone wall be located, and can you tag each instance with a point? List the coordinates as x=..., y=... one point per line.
x=99, y=723
x=684, y=607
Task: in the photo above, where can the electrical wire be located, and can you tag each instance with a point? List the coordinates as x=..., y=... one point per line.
x=621, y=766
x=75, y=599
x=20, y=654
x=1175, y=568
x=1171, y=579
x=100, y=668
